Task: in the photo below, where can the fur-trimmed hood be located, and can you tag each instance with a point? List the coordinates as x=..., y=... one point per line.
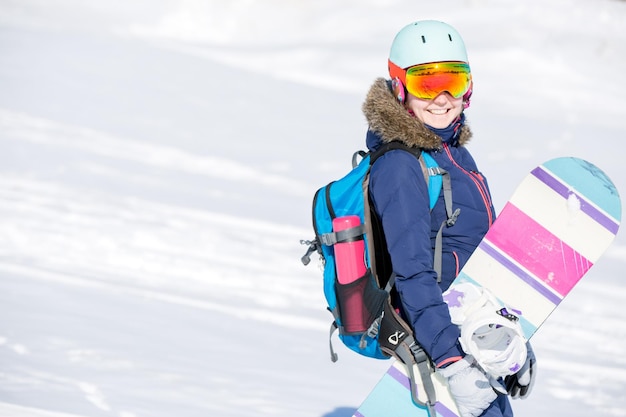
x=391, y=121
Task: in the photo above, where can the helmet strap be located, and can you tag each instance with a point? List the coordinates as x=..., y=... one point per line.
x=396, y=72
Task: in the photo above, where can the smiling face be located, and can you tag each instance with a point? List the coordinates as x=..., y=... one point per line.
x=439, y=112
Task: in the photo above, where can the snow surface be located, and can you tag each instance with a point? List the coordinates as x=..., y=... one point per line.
x=157, y=164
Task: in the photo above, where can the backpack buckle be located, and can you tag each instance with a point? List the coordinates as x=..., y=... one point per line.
x=328, y=239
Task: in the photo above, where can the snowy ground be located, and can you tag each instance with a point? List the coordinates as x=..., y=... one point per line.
x=157, y=162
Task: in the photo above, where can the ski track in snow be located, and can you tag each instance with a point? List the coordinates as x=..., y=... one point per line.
x=58, y=230
x=48, y=133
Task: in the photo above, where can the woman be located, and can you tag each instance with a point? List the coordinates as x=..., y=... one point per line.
x=423, y=106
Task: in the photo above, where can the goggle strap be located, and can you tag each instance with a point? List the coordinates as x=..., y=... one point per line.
x=397, y=72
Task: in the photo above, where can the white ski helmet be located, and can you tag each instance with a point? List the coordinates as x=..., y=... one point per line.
x=427, y=41
x=423, y=42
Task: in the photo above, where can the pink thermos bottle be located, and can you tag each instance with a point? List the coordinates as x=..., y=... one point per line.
x=350, y=264
x=349, y=256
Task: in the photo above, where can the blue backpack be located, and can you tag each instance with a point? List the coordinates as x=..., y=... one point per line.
x=382, y=333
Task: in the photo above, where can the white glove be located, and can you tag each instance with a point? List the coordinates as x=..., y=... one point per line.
x=520, y=384
x=469, y=386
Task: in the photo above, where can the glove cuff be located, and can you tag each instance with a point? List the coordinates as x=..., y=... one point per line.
x=457, y=366
x=449, y=361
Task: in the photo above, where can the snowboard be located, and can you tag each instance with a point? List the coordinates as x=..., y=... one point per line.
x=559, y=221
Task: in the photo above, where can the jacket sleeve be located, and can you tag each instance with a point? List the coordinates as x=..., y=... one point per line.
x=400, y=197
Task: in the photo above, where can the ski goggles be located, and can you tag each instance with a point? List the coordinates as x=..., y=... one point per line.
x=427, y=81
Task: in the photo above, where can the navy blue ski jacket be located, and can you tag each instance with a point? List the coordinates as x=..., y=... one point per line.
x=399, y=195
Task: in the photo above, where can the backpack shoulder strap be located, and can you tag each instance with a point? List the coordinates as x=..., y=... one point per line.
x=431, y=172
x=392, y=327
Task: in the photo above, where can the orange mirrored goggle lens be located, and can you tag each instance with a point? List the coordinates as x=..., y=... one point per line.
x=427, y=81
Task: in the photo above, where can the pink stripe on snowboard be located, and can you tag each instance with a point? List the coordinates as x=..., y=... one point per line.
x=533, y=247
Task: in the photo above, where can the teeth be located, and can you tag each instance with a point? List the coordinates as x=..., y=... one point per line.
x=439, y=111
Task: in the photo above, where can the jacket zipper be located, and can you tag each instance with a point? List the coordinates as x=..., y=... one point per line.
x=478, y=181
